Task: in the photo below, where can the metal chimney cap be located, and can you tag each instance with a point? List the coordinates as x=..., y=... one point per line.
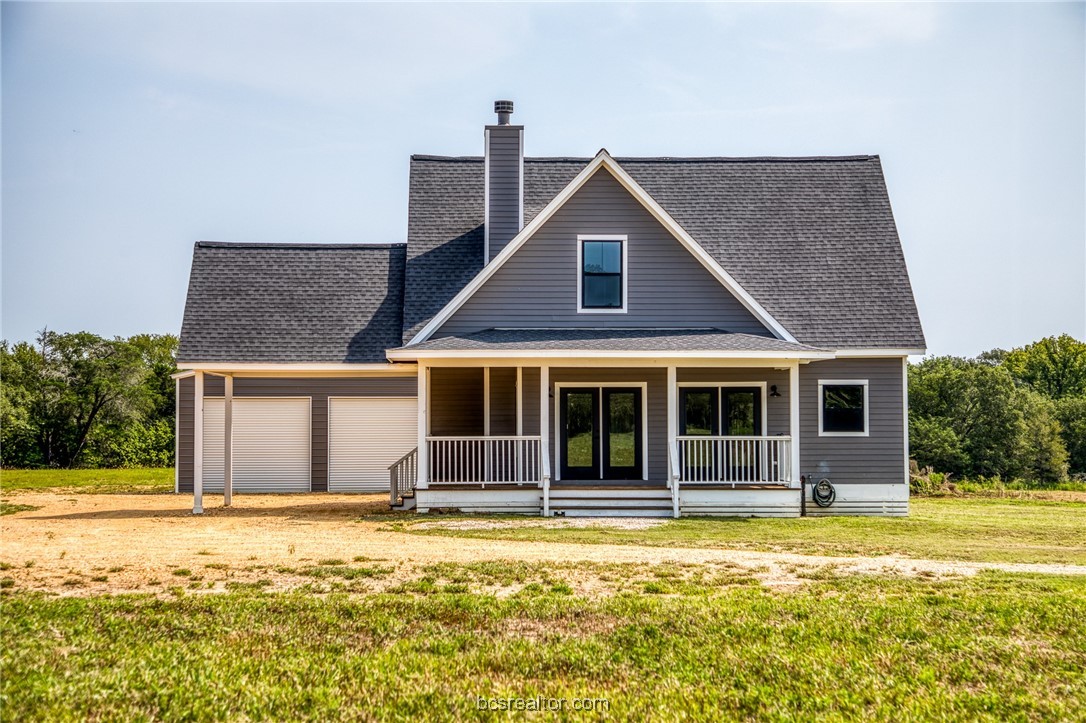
x=504, y=108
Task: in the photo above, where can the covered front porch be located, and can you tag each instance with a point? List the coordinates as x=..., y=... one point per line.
x=633, y=433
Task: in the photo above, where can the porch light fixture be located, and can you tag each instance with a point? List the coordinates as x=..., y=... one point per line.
x=773, y=391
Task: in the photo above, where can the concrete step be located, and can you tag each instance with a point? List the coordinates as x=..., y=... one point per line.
x=611, y=502
x=562, y=493
x=656, y=511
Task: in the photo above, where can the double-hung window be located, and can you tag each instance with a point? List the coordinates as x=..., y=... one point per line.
x=602, y=272
x=842, y=408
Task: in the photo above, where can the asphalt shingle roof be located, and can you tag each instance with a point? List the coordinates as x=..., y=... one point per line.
x=589, y=340
x=293, y=303
x=813, y=240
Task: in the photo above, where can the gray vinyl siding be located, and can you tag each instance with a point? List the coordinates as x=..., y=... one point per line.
x=503, y=401
x=317, y=389
x=184, y=403
x=777, y=413
x=655, y=399
x=876, y=459
x=456, y=401
x=667, y=286
x=504, y=220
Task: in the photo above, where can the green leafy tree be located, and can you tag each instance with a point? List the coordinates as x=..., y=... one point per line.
x=63, y=396
x=975, y=403
x=934, y=443
x=1054, y=366
x=1040, y=453
x=1071, y=413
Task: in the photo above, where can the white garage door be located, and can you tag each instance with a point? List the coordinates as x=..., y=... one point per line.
x=365, y=436
x=271, y=444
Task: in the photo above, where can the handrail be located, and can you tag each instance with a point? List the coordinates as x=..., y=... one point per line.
x=484, y=437
x=402, y=476
x=782, y=437
x=545, y=482
x=674, y=472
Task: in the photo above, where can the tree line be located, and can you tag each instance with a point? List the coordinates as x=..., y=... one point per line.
x=81, y=400
x=1018, y=414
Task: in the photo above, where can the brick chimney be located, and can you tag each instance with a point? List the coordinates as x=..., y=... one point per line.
x=504, y=179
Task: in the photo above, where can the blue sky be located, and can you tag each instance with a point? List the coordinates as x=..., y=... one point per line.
x=131, y=131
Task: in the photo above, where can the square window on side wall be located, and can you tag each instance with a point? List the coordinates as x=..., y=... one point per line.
x=843, y=407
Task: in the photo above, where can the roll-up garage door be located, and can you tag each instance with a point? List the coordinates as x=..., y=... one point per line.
x=365, y=436
x=271, y=444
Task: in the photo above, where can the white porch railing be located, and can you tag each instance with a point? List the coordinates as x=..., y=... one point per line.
x=735, y=460
x=483, y=460
x=402, y=476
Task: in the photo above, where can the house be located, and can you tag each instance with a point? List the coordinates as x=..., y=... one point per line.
x=568, y=336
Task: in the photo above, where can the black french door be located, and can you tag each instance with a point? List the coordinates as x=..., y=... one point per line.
x=601, y=433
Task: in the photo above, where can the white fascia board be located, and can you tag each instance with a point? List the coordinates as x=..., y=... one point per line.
x=603, y=159
x=434, y=355
x=183, y=375
x=877, y=353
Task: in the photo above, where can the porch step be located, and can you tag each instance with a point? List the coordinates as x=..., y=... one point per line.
x=611, y=501
x=612, y=493
x=646, y=511
x=407, y=502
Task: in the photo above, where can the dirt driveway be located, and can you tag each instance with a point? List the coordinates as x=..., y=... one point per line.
x=89, y=544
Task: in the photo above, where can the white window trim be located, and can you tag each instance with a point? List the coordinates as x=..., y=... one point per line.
x=559, y=386
x=720, y=387
x=867, y=407
x=581, y=238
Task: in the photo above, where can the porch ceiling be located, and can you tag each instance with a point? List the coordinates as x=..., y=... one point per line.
x=536, y=343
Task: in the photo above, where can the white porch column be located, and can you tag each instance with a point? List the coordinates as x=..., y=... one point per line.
x=487, y=451
x=520, y=401
x=793, y=419
x=486, y=401
x=198, y=444
x=228, y=441
x=672, y=432
x=423, y=481
x=544, y=436
x=520, y=421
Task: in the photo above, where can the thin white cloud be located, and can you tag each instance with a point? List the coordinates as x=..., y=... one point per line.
x=855, y=26
x=313, y=53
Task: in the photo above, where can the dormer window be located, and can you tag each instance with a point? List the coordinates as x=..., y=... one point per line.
x=602, y=268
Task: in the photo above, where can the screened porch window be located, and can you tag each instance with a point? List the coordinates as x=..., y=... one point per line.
x=603, y=282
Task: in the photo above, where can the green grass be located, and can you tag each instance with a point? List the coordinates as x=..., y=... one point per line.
x=994, y=647
x=94, y=481
x=10, y=508
x=969, y=529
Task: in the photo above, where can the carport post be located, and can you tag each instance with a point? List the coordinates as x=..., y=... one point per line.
x=228, y=441
x=198, y=444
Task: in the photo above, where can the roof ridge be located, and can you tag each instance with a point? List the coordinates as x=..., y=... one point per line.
x=661, y=159
x=305, y=246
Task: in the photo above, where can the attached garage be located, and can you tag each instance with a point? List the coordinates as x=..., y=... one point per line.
x=365, y=436
x=271, y=444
